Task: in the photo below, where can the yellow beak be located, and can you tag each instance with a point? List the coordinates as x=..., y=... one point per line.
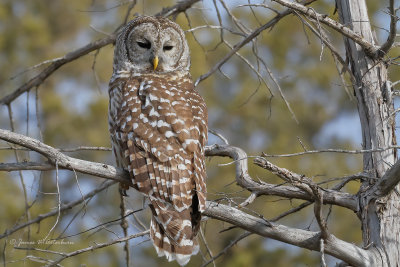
x=155, y=63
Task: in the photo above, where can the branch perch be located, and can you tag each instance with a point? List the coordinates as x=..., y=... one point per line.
x=64, y=161
x=306, y=239
x=110, y=172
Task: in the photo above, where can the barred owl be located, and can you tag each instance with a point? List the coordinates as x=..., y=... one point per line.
x=158, y=127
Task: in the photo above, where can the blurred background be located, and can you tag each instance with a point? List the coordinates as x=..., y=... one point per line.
x=69, y=110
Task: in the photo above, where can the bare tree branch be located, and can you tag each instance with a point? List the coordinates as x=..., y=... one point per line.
x=387, y=183
x=246, y=40
x=392, y=32
x=58, y=62
x=225, y=250
x=369, y=48
x=329, y=197
x=261, y=188
x=331, y=150
x=63, y=207
x=97, y=246
x=52, y=154
x=110, y=172
x=22, y=166
x=181, y=6
x=300, y=186
x=306, y=239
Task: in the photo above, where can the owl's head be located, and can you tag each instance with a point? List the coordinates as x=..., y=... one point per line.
x=151, y=44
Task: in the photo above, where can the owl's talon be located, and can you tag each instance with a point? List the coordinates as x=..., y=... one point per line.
x=122, y=191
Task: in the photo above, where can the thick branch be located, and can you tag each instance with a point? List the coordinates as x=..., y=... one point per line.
x=387, y=183
x=298, y=237
x=260, y=188
x=107, y=171
x=63, y=161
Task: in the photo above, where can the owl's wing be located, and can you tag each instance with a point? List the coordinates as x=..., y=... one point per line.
x=170, y=126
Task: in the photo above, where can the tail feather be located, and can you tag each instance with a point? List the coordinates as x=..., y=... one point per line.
x=172, y=234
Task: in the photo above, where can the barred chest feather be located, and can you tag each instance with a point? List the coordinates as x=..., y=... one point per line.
x=164, y=115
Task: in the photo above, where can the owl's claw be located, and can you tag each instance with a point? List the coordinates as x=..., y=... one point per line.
x=122, y=190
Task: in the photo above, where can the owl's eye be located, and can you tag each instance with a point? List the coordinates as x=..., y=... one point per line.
x=168, y=47
x=146, y=45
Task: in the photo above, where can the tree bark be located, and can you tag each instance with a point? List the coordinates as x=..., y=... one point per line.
x=380, y=217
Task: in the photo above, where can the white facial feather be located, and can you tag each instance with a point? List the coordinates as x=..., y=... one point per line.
x=145, y=38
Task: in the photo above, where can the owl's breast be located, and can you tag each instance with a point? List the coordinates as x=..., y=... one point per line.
x=158, y=113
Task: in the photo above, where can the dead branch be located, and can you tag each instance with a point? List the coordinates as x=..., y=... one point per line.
x=22, y=166
x=97, y=246
x=246, y=40
x=331, y=150
x=71, y=56
x=300, y=181
x=56, y=64
x=339, y=198
x=298, y=237
x=387, y=183
x=110, y=172
x=340, y=249
x=392, y=32
x=181, y=6
x=225, y=250
x=63, y=207
x=369, y=48
x=66, y=162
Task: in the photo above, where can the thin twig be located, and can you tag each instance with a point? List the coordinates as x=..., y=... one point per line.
x=225, y=250
x=58, y=203
x=27, y=214
x=370, y=48
x=384, y=49
x=240, y=44
x=219, y=135
x=97, y=246
x=63, y=207
x=80, y=191
x=3, y=253
x=106, y=9
x=93, y=46
x=207, y=247
x=124, y=225
x=132, y=212
x=330, y=150
x=291, y=211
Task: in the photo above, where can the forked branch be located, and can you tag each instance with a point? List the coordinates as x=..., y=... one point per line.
x=110, y=172
x=306, y=239
x=370, y=49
